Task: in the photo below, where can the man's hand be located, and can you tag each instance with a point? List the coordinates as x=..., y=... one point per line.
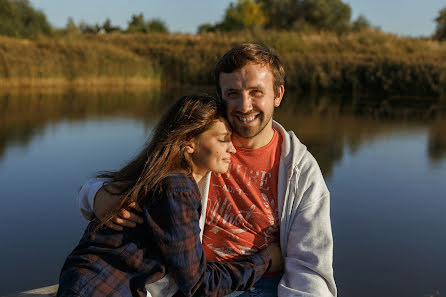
x=276, y=257
x=104, y=202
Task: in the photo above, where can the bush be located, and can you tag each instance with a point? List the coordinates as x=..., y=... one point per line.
x=19, y=19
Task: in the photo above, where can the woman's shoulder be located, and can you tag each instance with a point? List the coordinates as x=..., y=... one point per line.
x=179, y=182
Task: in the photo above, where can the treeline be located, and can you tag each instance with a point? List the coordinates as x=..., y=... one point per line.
x=289, y=15
x=137, y=24
x=299, y=16
x=19, y=19
x=362, y=62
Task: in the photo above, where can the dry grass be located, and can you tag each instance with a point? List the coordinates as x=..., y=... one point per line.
x=362, y=62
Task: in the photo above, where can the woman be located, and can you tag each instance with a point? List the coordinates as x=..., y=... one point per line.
x=190, y=140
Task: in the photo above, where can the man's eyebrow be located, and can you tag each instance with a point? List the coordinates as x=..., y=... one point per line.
x=256, y=87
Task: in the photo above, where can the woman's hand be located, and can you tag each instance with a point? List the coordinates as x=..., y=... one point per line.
x=104, y=202
x=276, y=257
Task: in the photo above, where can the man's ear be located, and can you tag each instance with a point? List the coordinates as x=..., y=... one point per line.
x=279, y=96
x=190, y=146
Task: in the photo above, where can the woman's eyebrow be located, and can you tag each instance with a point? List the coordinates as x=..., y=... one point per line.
x=224, y=134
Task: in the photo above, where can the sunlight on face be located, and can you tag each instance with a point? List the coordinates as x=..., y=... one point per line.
x=213, y=149
x=250, y=98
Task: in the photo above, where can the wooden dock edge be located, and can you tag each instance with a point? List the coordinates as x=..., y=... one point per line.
x=42, y=292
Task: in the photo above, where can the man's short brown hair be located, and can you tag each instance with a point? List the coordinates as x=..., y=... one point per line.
x=246, y=53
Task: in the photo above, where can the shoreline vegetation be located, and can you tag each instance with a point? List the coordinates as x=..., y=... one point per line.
x=363, y=62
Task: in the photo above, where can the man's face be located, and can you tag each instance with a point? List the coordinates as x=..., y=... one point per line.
x=250, y=98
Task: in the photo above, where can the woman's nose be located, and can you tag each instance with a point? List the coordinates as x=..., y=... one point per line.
x=231, y=148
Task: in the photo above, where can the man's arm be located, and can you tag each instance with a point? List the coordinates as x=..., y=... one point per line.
x=86, y=195
x=308, y=264
x=93, y=198
x=308, y=244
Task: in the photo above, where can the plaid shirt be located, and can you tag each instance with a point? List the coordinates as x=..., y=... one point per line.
x=120, y=263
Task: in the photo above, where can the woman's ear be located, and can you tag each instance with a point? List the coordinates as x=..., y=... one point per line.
x=190, y=146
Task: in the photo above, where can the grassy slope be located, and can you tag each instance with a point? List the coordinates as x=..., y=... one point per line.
x=356, y=62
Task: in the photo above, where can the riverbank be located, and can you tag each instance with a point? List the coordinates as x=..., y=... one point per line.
x=364, y=62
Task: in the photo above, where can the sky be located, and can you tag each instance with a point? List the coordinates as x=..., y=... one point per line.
x=403, y=17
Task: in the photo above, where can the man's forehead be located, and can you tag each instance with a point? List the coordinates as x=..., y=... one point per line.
x=251, y=74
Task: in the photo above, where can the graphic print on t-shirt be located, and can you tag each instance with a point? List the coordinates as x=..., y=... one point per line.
x=242, y=212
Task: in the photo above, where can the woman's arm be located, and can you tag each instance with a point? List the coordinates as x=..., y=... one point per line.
x=176, y=233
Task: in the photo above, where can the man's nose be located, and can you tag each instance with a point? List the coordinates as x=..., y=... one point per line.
x=245, y=104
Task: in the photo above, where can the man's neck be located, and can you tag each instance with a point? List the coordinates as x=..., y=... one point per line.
x=258, y=141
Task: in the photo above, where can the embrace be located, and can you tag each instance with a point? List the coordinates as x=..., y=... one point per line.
x=222, y=201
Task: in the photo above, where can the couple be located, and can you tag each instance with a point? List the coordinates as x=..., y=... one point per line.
x=273, y=194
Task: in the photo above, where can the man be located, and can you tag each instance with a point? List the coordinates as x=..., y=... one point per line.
x=273, y=191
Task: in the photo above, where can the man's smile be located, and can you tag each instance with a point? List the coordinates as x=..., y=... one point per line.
x=246, y=119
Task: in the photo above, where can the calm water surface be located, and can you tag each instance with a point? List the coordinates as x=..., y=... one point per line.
x=384, y=164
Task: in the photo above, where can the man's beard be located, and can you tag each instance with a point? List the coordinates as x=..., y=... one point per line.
x=250, y=132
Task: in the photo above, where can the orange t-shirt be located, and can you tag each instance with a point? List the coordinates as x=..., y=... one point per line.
x=242, y=212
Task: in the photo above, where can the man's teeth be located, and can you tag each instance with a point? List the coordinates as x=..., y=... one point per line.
x=247, y=119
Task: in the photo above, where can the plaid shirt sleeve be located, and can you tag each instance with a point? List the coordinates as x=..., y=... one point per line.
x=175, y=220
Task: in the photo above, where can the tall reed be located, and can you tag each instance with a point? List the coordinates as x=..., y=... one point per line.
x=363, y=62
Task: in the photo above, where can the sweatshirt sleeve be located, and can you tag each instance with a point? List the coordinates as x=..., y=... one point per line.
x=308, y=263
x=309, y=249
x=85, y=197
x=177, y=234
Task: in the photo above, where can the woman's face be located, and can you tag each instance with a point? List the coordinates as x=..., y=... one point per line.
x=212, y=149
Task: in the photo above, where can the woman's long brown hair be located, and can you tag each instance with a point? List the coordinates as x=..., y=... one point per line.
x=165, y=152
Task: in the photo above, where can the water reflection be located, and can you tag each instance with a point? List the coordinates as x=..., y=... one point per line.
x=331, y=125
x=437, y=141
x=327, y=125
x=24, y=116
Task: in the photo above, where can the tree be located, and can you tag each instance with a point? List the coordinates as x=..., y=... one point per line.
x=86, y=28
x=71, y=27
x=281, y=13
x=156, y=25
x=332, y=15
x=440, y=32
x=318, y=14
x=19, y=19
x=245, y=14
x=138, y=24
x=361, y=23
x=203, y=28
x=108, y=27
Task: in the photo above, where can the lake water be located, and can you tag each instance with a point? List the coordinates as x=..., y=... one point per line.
x=384, y=162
